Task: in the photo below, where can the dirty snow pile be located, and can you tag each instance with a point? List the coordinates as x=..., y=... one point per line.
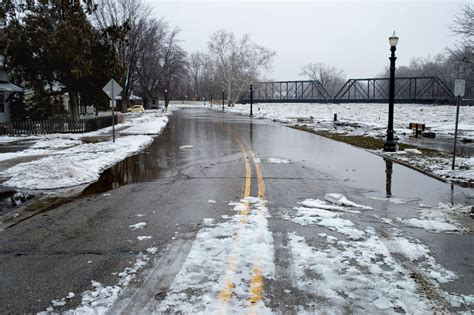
x=355, y=268
x=63, y=160
x=238, y=254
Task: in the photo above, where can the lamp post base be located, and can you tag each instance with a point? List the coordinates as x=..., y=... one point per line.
x=390, y=146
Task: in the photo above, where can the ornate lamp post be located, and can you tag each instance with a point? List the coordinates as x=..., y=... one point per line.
x=251, y=100
x=390, y=145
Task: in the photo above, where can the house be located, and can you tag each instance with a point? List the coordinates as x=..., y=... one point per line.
x=6, y=90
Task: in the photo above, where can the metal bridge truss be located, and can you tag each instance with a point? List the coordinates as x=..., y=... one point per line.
x=372, y=90
x=288, y=92
x=407, y=90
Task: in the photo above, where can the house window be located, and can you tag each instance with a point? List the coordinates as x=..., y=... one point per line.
x=2, y=102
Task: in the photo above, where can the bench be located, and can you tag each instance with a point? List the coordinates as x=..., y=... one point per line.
x=417, y=126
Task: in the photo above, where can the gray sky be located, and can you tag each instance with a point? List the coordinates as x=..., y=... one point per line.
x=351, y=35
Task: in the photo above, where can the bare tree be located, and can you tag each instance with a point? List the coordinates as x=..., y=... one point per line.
x=463, y=23
x=237, y=62
x=149, y=68
x=329, y=76
x=134, y=15
x=173, y=66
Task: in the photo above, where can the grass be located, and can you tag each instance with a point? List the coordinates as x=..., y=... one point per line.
x=367, y=142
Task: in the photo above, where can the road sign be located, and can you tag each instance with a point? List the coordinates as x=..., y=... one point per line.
x=459, y=88
x=112, y=89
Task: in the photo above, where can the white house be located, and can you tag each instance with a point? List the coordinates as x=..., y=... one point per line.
x=6, y=89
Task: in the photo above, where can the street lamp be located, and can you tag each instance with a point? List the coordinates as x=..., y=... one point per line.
x=251, y=100
x=390, y=145
x=166, y=99
x=223, y=96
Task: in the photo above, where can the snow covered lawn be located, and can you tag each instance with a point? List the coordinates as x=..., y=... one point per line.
x=69, y=160
x=370, y=120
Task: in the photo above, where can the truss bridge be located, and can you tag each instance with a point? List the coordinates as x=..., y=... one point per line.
x=423, y=90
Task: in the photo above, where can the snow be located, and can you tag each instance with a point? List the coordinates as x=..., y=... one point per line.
x=138, y=226
x=341, y=200
x=152, y=250
x=278, y=161
x=241, y=243
x=143, y=238
x=186, y=146
x=361, y=275
x=328, y=219
x=367, y=119
x=101, y=298
x=366, y=273
x=71, y=162
x=442, y=218
x=211, y=201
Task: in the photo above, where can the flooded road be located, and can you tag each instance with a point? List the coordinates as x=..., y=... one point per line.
x=212, y=214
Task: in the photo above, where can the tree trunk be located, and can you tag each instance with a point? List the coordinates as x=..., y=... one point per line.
x=74, y=103
x=125, y=103
x=229, y=92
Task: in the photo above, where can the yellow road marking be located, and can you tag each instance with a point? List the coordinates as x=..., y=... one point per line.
x=257, y=281
x=256, y=285
x=225, y=294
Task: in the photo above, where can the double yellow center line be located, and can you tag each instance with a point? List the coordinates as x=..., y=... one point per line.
x=256, y=281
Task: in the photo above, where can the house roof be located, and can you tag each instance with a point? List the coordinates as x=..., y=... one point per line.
x=9, y=87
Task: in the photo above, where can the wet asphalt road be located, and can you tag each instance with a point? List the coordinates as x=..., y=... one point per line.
x=62, y=250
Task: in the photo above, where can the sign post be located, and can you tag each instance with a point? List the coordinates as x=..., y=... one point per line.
x=112, y=89
x=459, y=88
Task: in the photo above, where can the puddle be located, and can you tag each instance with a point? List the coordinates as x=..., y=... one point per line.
x=15, y=146
x=141, y=167
x=95, y=139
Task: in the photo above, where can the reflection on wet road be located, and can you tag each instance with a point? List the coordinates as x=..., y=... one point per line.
x=223, y=213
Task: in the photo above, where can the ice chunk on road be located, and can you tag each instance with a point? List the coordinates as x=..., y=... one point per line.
x=142, y=238
x=185, y=147
x=341, y=200
x=278, y=161
x=211, y=201
x=138, y=226
x=430, y=225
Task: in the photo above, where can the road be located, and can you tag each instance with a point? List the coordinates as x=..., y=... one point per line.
x=212, y=217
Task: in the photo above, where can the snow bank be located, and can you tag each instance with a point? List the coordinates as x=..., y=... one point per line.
x=75, y=166
x=70, y=162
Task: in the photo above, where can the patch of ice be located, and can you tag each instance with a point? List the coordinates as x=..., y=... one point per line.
x=328, y=219
x=278, y=161
x=152, y=250
x=341, y=200
x=320, y=204
x=138, y=226
x=185, y=147
x=142, y=238
x=70, y=295
x=211, y=201
x=362, y=274
x=208, y=221
x=430, y=225
x=409, y=249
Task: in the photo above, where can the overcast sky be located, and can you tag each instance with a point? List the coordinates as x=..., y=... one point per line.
x=351, y=35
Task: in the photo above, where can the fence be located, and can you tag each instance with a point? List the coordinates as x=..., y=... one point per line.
x=32, y=127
